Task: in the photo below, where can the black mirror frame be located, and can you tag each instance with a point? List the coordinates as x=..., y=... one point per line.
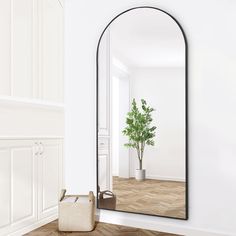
x=186, y=114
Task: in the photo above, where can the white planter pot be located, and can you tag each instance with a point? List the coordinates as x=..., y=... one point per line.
x=139, y=175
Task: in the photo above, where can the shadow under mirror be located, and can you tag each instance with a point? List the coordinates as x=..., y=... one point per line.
x=142, y=119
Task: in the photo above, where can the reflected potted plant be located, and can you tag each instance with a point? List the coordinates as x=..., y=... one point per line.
x=140, y=132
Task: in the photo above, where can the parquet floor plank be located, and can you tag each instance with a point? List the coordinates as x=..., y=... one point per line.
x=155, y=197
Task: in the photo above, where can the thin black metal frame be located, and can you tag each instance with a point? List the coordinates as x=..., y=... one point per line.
x=186, y=114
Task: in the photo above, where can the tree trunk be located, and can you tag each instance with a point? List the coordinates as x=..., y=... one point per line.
x=140, y=164
x=141, y=157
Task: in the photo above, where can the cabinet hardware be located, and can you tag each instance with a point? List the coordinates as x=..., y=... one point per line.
x=41, y=148
x=36, y=148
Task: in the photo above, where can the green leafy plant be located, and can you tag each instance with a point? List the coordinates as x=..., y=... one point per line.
x=139, y=129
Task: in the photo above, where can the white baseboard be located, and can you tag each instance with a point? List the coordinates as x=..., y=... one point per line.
x=109, y=217
x=36, y=225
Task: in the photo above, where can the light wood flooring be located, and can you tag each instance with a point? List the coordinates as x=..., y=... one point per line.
x=101, y=229
x=155, y=197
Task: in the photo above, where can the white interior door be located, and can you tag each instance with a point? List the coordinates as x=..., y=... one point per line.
x=50, y=177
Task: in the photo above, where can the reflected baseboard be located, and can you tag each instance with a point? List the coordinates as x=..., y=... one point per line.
x=165, y=178
x=158, y=177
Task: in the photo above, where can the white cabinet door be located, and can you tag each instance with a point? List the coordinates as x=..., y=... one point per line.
x=18, y=187
x=17, y=28
x=31, y=177
x=31, y=46
x=51, y=50
x=50, y=177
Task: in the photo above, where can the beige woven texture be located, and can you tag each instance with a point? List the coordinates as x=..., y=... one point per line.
x=78, y=215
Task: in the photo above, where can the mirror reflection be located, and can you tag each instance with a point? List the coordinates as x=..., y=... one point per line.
x=142, y=115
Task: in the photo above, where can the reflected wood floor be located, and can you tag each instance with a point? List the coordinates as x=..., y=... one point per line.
x=101, y=229
x=155, y=197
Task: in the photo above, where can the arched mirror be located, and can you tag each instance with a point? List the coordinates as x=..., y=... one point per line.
x=142, y=114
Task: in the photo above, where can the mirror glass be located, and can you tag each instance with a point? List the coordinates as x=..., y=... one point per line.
x=141, y=119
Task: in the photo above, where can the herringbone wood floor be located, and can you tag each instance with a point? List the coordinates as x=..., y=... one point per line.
x=101, y=229
x=155, y=197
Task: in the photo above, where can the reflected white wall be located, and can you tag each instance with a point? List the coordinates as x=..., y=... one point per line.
x=124, y=90
x=151, y=50
x=164, y=90
x=115, y=125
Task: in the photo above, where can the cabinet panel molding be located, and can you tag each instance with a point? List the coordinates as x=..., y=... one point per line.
x=22, y=48
x=20, y=186
x=23, y=183
x=51, y=50
x=5, y=187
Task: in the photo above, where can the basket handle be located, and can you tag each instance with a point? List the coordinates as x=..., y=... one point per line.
x=63, y=193
x=106, y=192
x=91, y=196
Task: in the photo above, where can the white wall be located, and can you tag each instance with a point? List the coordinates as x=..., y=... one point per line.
x=209, y=26
x=164, y=90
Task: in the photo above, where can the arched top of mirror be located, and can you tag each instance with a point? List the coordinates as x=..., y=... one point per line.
x=146, y=37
